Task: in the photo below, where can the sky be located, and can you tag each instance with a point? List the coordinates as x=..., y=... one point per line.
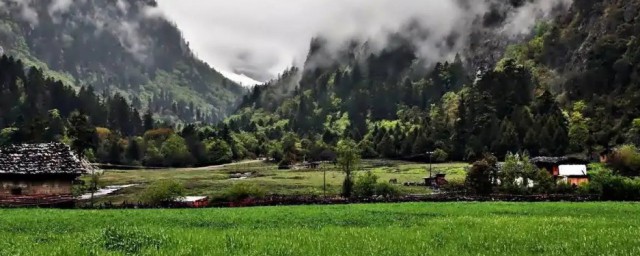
x=252, y=41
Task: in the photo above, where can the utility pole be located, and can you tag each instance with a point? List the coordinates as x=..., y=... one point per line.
x=324, y=182
x=430, y=153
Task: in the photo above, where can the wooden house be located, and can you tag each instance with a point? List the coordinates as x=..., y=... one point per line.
x=572, y=170
x=39, y=174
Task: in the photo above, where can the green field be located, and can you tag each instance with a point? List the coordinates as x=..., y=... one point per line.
x=215, y=180
x=375, y=229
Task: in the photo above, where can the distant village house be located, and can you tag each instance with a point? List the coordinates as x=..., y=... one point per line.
x=571, y=170
x=39, y=174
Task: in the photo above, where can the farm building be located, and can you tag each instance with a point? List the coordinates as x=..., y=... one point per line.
x=39, y=174
x=570, y=169
x=437, y=181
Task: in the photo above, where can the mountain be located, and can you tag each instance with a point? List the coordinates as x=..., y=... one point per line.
x=568, y=86
x=117, y=46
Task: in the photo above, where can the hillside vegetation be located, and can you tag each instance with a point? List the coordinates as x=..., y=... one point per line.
x=116, y=46
x=571, y=87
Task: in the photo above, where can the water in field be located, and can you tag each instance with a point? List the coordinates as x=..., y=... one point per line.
x=108, y=190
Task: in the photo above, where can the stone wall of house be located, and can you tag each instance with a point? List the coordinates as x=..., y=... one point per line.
x=17, y=187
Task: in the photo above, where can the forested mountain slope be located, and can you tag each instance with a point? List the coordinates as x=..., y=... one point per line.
x=569, y=87
x=589, y=60
x=117, y=46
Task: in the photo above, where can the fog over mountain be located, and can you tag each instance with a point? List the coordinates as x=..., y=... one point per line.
x=259, y=39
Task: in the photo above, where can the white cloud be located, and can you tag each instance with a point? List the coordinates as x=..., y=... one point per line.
x=27, y=12
x=58, y=6
x=260, y=38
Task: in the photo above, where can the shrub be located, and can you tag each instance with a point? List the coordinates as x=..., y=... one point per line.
x=614, y=187
x=564, y=188
x=626, y=161
x=454, y=185
x=480, y=176
x=518, y=175
x=242, y=191
x=386, y=190
x=219, y=152
x=440, y=155
x=153, y=156
x=89, y=155
x=544, y=182
x=7, y=136
x=162, y=192
x=175, y=152
x=347, y=187
x=365, y=185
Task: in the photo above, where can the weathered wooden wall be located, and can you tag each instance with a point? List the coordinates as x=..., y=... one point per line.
x=36, y=187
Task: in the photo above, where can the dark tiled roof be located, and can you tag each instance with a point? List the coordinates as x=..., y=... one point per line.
x=558, y=160
x=50, y=158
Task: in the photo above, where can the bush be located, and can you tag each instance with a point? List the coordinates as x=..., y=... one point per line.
x=544, y=182
x=480, y=176
x=175, y=152
x=219, y=152
x=242, y=191
x=626, y=161
x=162, y=192
x=347, y=187
x=386, y=190
x=440, y=155
x=365, y=185
x=454, y=185
x=610, y=186
x=564, y=188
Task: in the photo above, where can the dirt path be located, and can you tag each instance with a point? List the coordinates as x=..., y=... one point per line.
x=217, y=167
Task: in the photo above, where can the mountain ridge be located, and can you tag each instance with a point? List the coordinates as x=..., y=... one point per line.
x=541, y=95
x=117, y=46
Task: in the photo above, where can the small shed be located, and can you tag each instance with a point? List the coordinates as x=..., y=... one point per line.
x=193, y=201
x=437, y=181
x=39, y=173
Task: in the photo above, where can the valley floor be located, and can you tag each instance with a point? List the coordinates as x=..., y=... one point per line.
x=375, y=229
x=214, y=181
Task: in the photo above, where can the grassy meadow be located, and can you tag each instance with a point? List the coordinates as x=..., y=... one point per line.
x=214, y=181
x=374, y=229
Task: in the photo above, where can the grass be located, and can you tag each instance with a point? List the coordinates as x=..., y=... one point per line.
x=375, y=229
x=214, y=182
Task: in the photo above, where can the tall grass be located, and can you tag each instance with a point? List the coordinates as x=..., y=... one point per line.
x=381, y=229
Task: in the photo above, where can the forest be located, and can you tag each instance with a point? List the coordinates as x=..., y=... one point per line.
x=569, y=89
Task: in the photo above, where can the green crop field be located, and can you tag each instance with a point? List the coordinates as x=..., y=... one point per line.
x=375, y=229
x=214, y=181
